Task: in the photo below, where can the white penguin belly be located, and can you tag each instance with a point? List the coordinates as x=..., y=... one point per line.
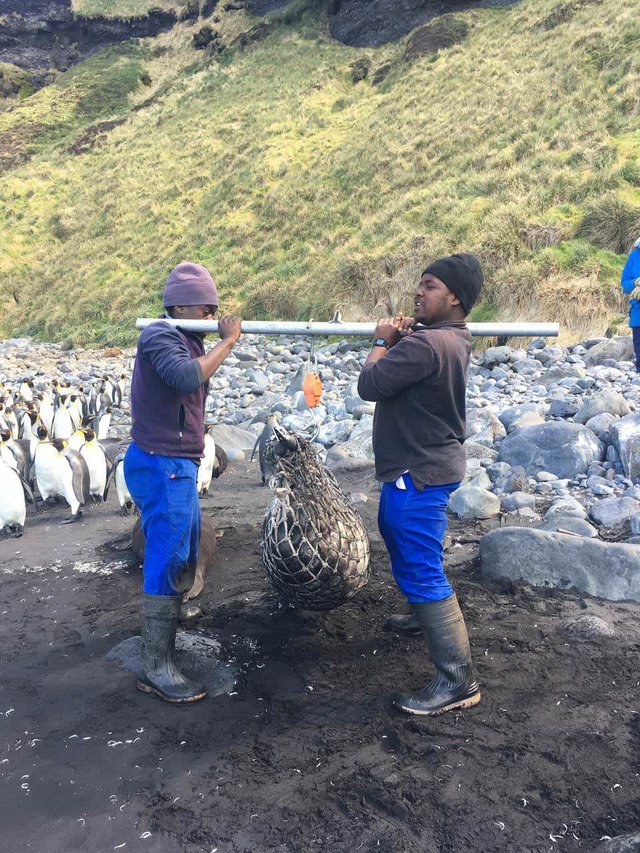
x=205, y=469
x=48, y=470
x=46, y=414
x=77, y=440
x=124, y=495
x=13, y=507
x=97, y=465
x=62, y=425
x=67, y=487
x=7, y=457
x=103, y=427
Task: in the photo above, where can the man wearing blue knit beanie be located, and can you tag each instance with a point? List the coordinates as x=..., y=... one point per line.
x=416, y=374
x=168, y=394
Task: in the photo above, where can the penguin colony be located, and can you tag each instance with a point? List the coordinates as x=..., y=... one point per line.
x=54, y=442
x=315, y=547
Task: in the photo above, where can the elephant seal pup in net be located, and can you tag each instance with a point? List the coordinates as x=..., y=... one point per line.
x=314, y=545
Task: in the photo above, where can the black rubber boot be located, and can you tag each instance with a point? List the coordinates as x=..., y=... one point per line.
x=453, y=686
x=406, y=625
x=160, y=675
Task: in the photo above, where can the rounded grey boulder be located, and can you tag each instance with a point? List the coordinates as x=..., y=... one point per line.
x=614, y=512
x=563, y=449
x=606, y=402
x=543, y=558
x=625, y=436
x=471, y=501
x=618, y=348
x=569, y=523
x=588, y=628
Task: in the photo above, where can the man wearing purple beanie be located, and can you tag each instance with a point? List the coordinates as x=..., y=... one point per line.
x=168, y=393
x=417, y=376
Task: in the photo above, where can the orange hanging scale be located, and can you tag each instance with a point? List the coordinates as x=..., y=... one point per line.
x=312, y=389
x=312, y=384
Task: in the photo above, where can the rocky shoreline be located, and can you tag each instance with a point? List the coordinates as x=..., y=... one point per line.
x=553, y=435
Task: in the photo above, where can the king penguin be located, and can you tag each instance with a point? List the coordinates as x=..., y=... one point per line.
x=13, y=507
x=74, y=406
x=61, y=472
x=117, y=475
x=26, y=390
x=45, y=410
x=62, y=425
x=13, y=454
x=96, y=460
x=101, y=423
x=205, y=469
x=266, y=472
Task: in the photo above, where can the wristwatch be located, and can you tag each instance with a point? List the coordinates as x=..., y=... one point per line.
x=381, y=342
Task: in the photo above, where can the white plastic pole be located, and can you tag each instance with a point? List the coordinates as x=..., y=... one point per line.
x=347, y=330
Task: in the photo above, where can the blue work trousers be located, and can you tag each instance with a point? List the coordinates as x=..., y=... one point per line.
x=413, y=524
x=635, y=331
x=165, y=491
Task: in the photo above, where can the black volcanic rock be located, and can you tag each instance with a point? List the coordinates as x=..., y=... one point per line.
x=365, y=23
x=434, y=36
x=46, y=33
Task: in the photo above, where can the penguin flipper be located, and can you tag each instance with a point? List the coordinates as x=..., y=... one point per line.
x=110, y=477
x=81, y=482
x=28, y=491
x=111, y=471
x=255, y=447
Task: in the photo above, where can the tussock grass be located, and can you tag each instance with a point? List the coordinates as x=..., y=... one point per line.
x=612, y=223
x=98, y=87
x=578, y=304
x=14, y=82
x=123, y=8
x=304, y=192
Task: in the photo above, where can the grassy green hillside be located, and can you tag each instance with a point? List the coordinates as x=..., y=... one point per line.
x=304, y=191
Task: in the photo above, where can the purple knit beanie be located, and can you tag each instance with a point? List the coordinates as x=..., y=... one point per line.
x=190, y=284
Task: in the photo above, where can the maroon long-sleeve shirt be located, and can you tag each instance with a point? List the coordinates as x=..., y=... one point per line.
x=168, y=392
x=419, y=389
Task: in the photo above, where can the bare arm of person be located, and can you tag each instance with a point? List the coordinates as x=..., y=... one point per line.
x=229, y=331
x=387, y=373
x=391, y=330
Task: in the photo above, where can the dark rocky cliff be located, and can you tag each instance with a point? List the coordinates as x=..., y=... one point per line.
x=366, y=23
x=46, y=34
x=41, y=34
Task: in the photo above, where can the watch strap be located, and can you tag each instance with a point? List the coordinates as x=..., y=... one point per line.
x=381, y=342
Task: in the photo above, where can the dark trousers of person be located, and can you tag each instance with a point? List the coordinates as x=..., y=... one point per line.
x=165, y=491
x=635, y=331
